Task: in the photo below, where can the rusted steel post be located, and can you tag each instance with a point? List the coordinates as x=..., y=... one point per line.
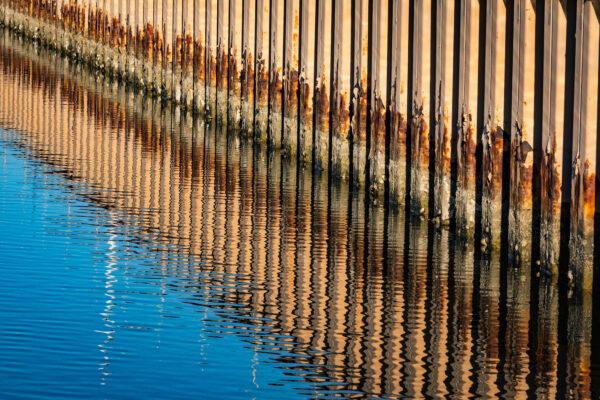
x=199, y=57
x=121, y=48
x=358, y=106
x=167, y=47
x=249, y=14
x=289, y=137
x=521, y=74
x=157, y=46
x=584, y=134
x=222, y=56
x=418, y=104
x=440, y=107
x=189, y=47
x=210, y=60
x=131, y=40
x=463, y=114
x=180, y=53
x=397, y=99
x=105, y=34
x=92, y=28
x=176, y=45
x=306, y=80
x=376, y=100
x=275, y=72
x=340, y=89
x=234, y=44
x=549, y=110
x=321, y=91
x=490, y=135
x=115, y=24
x=148, y=38
x=261, y=71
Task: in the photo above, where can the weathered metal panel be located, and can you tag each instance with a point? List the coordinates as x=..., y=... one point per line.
x=187, y=56
x=234, y=56
x=211, y=59
x=398, y=26
x=249, y=14
x=521, y=23
x=464, y=114
x=585, y=131
x=199, y=55
x=419, y=104
x=376, y=101
x=321, y=102
x=291, y=47
x=177, y=46
x=549, y=115
x=275, y=72
x=261, y=70
x=490, y=134
x=340, y=89
x=440, y=115
x=306, y=80
x=222, y=54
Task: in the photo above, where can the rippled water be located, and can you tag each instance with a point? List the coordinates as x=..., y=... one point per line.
x=147, y=255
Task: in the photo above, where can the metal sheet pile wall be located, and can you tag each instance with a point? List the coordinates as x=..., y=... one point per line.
x=482, y=115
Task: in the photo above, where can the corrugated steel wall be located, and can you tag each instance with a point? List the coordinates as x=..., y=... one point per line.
x=479, y=114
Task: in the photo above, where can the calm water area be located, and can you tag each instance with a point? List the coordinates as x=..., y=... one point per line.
x=145, y=254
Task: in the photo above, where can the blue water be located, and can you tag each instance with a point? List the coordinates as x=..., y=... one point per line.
x=87, y=313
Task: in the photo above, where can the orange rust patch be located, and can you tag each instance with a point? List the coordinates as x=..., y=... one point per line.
x=291, y=90
x=589, y=191
x=399, y=128
x=262, y=83
x=378, y=123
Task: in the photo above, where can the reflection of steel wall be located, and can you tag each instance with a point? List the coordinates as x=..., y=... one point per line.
x=358, y=300
x=458, y=106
